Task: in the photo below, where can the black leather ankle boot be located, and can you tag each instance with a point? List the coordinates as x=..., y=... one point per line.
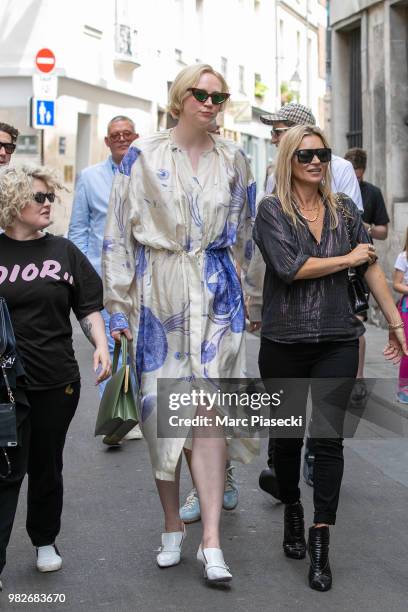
x=320, y=576
x=294, y=544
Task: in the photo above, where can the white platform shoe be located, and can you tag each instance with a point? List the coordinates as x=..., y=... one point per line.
x=215, y=568
x=170, y=550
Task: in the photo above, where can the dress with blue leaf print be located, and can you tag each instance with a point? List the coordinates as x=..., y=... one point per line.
x=171, y=243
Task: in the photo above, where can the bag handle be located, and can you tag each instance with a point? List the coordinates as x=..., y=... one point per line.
x=120, y=347
x=9, y=391
x=343, y=212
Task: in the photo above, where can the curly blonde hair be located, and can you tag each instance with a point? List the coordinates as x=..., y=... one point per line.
x=16, y=189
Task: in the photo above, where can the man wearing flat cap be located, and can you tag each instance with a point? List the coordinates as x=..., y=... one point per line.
x=343, y=176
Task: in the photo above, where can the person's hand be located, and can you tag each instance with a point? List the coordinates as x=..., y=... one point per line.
x=397, y=346
x=102, y=363
x=254, y=326
x=361, y=254
x=117, y=334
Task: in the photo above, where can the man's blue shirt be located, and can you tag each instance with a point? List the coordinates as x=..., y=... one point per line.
x=87, y=225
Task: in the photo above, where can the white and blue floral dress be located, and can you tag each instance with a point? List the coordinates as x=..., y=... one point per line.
x=171, y=240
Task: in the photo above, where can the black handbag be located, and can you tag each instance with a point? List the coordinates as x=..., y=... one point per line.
x=8, y=418
x=356, y=287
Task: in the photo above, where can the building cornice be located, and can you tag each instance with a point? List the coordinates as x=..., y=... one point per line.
x=297, y=15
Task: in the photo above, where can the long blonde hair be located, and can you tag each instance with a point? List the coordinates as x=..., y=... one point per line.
x=283, y=173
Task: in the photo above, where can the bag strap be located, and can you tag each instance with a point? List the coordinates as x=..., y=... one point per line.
x=120, y=347
x=346, y=219
x=9, y=391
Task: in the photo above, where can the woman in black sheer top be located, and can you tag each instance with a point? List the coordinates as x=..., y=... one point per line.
x=309, y=329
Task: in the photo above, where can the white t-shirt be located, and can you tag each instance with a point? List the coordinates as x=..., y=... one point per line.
x=344, y=180
x=401, y=263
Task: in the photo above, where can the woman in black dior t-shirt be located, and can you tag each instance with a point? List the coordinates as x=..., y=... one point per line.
x=309, y=329
x=43, y=277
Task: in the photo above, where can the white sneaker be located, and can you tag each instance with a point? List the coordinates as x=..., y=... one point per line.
x=170, y=550
x=48, y=559
x=215, y=568
x=134, y=434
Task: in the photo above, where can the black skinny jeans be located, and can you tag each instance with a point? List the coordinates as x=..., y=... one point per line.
x=43, y=434
x=331, y=360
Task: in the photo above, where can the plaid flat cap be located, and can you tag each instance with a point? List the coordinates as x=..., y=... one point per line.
x=296, y=113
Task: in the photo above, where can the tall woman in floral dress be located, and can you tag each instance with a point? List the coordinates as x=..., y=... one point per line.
x=180, y=218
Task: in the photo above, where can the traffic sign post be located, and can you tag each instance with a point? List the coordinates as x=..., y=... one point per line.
x=45, y=86
x=45, y=60
x=43, y=113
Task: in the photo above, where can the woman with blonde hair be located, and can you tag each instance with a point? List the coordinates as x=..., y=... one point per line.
x=43, y=278
x=309, y=239
x=180, y=217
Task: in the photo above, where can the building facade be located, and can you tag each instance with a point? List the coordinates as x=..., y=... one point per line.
x=120, y=57
x=370, y=99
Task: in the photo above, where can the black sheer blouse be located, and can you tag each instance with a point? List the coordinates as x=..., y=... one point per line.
x=311, y=310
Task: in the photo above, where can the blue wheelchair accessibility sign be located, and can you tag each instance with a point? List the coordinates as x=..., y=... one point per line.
x=44, y=113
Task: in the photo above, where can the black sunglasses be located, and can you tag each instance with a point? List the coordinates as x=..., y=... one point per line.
x=217, y=97
x=9, y=147
x=305, y=156
x=40, y=197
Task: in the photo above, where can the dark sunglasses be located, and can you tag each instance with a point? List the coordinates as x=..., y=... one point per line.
x=40, y=197
x=9, y=147
x=217, y=97
x=278, y=131
x=305, y=156
x=126, y=135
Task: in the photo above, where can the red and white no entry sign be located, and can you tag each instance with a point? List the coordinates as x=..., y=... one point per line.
x=45, y=60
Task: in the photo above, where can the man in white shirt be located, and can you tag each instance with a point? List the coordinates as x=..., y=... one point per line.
x=344, y=180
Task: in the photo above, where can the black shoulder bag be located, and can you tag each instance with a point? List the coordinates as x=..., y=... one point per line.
x=8, y=420
x=356, y=289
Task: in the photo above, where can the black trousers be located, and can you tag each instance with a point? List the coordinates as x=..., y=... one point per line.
x=43, y=434
x=326, y=360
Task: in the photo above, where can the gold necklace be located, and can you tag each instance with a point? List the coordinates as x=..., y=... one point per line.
x=303, y=216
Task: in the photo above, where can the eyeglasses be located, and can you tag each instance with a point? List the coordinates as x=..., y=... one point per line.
x=305, y=156
x=126, y=135
x=278, y=131
x=9, y=147
x=201, y=95
x=40, y=197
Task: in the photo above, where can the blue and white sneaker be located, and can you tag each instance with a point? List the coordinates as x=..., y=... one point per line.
x=230, y=490
x=402, y=396
x=190, y=512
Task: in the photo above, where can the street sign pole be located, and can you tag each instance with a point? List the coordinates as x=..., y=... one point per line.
x=43, y=102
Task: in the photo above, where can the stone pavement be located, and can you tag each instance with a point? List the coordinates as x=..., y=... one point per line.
x=112, y=523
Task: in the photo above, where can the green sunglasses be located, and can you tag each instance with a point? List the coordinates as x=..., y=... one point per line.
x=217, y=97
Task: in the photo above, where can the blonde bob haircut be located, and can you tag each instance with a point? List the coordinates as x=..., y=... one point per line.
x=189, y=77
x=290, y=143
x=16, y=190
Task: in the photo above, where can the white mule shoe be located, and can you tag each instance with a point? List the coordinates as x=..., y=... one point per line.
x=215, y=568
x=170, y=550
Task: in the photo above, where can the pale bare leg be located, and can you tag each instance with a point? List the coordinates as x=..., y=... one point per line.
x=208, y=470
x=169, y=493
